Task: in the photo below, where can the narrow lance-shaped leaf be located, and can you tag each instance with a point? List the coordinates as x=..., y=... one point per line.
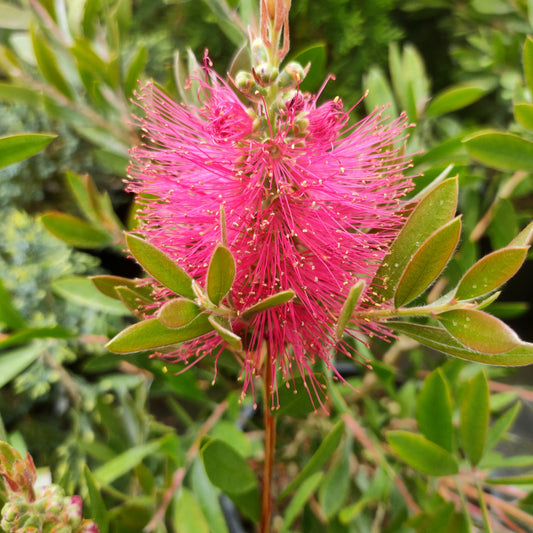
x=427, y=262
x=74, y=231
x=422, y=454
x=220, y=274
x=479, y=331
x=348, y=308
x=504, y=151
x=161, y=267
x=301, y=497
x=475, y=413
x=279, y=298
x=151, y=334
x=178, y=313
x=223, y=328
x=524, y=237
x=453, y=98
x=490, y=272
x=15, y=148
x=108, y=285
x=434, y=410
x=433, y=211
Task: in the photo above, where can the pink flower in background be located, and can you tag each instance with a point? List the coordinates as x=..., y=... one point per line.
x=311, y=204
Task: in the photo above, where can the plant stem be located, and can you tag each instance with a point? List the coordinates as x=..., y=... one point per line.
x=270, y=444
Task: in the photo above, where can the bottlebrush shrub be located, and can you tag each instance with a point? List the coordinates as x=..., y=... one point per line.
x=269, y=226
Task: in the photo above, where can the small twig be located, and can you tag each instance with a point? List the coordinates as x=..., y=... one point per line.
x=179, y=474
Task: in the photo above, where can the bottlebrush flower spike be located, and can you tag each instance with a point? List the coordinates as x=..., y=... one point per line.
x=311, y=205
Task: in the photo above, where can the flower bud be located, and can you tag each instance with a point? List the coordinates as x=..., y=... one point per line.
x=292, y=75
x=259, y=51
x=244, y=81
x=266, y=73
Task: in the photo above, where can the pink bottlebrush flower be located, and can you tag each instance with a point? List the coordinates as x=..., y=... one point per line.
x=311, y=204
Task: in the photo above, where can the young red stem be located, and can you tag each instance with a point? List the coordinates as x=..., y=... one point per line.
x=270, y=444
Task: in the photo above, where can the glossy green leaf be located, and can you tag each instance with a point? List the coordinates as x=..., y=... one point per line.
x=334, y=490
x=427, y=262
x=440, y=339
x=151, y=334
x=422, y=454
x=178, y=313
x=226, y=468
x=220, y=274
x=528, y=62
x=96, y=502
x=279, y=298
x=379, y=92
x=501, y=426
x=316, y=54
x=9, y=315
x=454, y=98
x=434, y=410
x=125, y=461
x=131, y=299
x=74, y=231
x=81, y=291
x=223, y=328
x=297, y=398
x=524, y=115
x=13, y=17
x=161, y=267
x=187, y=515
x=479, y=331
x=320, y=457
x=12, y=363
x=474, y=420
x=432, y=212
x=348, y=308
x=108, y=284
x=306, y=490
x=47, y=62
x=490, y=272
x=25, y=335
x=503, y=151
x=15, y=148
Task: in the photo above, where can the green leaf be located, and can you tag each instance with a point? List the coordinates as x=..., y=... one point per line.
x=427, y=262
x=13, y=17
x=524, y=237
x=151, y=334
x=335, y=488
x=220, y=274
x=422, y=454
x=300, y=499
x=279, y=298
x=502, y=425
x=296, y=398
x=9, y=315
x=316, y=54
x=12, y=363
x=108, y=284
x=80, y=188
x=135, y=70
x=46, y=60
x=348, y=308
x=434, y=410
x=15, y=148
x=479, y=331
x=528, y=62
x=178, y=313
x=503, y=151
x=187, y=515
x=490, y=272
x=524, y=115
x=433, y=211
x=80, y=290
x=440, y=339
x=131, y=299
x=474, y=421
x=324, y=452
x=96, y=502
x=223, y=328
x=379, y=92
x=227, y=469
x=126, y=461
x=22, y=336
x=161, y=267
x=454, y=98
x=525, y=479
x=74, y=231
